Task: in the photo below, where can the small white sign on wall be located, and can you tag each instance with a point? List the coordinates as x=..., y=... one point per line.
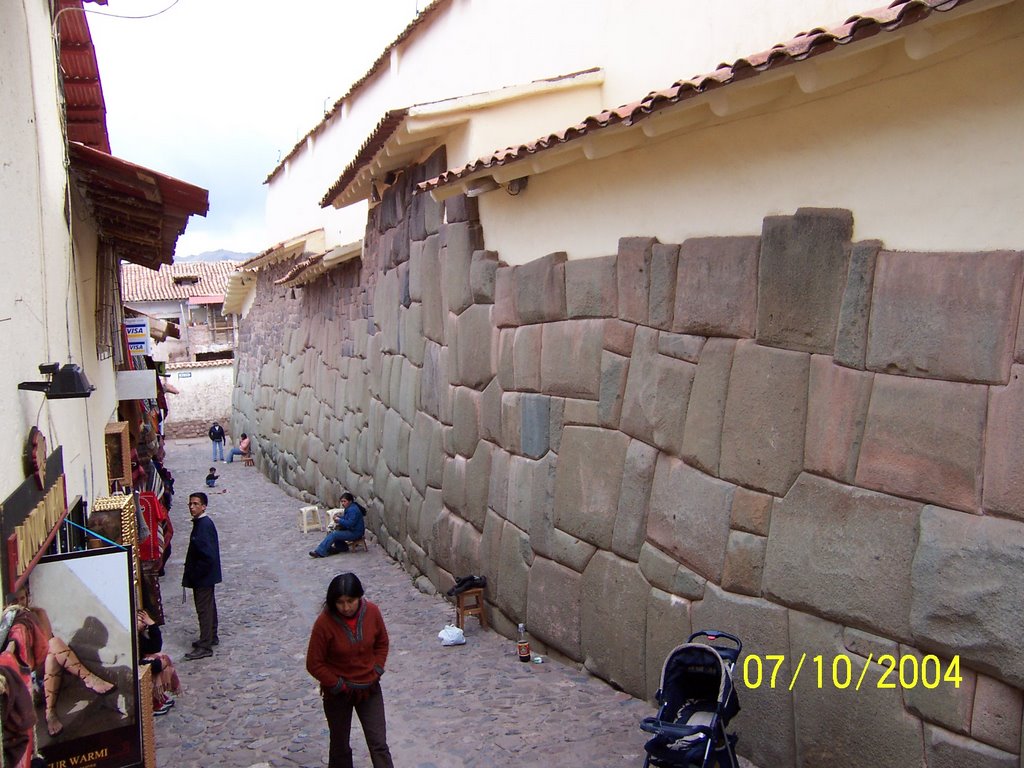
x=136, y=385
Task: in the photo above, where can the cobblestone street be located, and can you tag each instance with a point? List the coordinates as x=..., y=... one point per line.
x=252, y=704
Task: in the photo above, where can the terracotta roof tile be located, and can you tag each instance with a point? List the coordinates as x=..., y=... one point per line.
x=142, y=284
x=900, y=13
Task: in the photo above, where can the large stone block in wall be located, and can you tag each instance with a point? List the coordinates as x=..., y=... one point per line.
x=657, y=393
x=967, y=580
x=945, y=315
x=634, y=278
x=482, y=272
x=613, y=626
x=924, y=439
x=845, y=553
x=801, y=277
x=478, y=485
x=529, y=488
x=571, y=358
x=662, y=297
x=614, y=371
x=668, y=625
x=949, y=750
x=716, y=286
x=590, y=468
x=386, y=303
x=689, y=516
x=477, y=342
x=765, y=418
x=837, y=410
x=634, y=497
x=869, y=727
x=767, y=716
x=459, y=241
x=1004, y=452
x=465, y=420
x=419, y=449
x=526, y=358
x=434, y=391
x=490, y=412
x=434, y=308
x=854, y=312
x=702, y=434
x=513, y=582
x=590, y=287
x=539, y=289
x=554, y=606
x=505, y=313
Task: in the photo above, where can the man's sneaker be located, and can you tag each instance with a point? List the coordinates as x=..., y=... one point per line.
x=199, y=653
x=314, y=554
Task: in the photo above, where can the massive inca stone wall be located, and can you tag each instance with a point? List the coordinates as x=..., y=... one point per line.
x=810, y=442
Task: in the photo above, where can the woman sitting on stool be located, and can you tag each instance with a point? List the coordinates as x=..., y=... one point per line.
x=348, y=526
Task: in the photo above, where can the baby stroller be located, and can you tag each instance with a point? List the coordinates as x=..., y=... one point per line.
x=696, y=701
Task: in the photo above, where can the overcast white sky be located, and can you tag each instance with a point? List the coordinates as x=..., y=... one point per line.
x=215, y=92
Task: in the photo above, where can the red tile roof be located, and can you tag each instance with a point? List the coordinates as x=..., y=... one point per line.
x=426, y=15
x=900, y=13
x=83, y=94
x=384, y=130
x=142, y=284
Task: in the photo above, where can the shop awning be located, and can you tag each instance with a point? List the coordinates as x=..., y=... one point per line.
x=138, y=211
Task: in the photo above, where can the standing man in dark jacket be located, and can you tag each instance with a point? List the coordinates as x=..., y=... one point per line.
x=202, y=574
x=217, y=436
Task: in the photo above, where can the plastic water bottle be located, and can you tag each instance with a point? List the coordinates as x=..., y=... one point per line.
x=523, y=644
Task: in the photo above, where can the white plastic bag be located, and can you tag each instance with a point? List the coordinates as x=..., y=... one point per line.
x=451, y=635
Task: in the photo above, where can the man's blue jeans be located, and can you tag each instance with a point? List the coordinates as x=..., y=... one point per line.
x=335, y=538
x=218, y=450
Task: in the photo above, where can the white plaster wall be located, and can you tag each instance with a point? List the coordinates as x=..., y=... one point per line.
x=479, y=45
x=47, y=305
x=930, y=160
x=205, y=396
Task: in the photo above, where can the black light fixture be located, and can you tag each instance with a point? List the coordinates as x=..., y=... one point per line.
x=65, y=381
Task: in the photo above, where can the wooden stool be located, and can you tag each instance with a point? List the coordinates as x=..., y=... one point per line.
x=248, y=461
x=310, y=517
x=354, y=545
x=464, y=608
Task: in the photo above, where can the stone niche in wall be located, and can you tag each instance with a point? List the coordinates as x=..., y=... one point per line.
x=805, y=440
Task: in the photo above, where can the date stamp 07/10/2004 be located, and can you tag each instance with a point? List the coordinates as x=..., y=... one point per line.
x=837, y=672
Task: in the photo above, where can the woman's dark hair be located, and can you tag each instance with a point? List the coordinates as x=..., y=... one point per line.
x=342, y=585
x=346, y=496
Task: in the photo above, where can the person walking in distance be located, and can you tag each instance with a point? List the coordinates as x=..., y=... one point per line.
x=348, y=648
x=202, y=574
x=217, y=436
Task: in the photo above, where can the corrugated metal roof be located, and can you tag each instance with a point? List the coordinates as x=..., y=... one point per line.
x=142, y=284
x=424, y=16
x=817, y=41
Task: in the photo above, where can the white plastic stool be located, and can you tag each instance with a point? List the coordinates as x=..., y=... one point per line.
x=310, y=517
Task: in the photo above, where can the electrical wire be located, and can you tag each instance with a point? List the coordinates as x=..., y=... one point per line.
x=113, y=15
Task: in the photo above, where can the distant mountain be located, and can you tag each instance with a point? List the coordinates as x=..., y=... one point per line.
x=218, y=255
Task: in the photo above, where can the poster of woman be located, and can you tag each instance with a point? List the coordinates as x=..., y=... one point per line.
x=85, y=606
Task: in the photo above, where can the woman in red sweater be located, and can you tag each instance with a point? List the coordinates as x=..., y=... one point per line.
x=347, y=651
